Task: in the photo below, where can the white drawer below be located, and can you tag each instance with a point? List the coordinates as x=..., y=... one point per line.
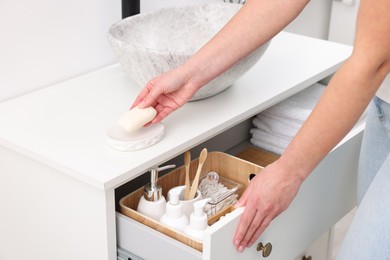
x=149, y=243
x=326, y=196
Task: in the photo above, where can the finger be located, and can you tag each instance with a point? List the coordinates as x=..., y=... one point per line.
x=259, y=231
x=150, y=99
x=144, y=92
x=159, y=108
x=244, y=197
x=257, y=221
x=243, y=225
x=162, y=114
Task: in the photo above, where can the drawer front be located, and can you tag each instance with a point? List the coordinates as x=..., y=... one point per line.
x=326, y=196
x=150, y=244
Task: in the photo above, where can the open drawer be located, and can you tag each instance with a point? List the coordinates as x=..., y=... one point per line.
x=326, y=196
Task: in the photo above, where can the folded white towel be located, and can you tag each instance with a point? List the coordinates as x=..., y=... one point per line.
x=282, y=126
x=268, y=147
x=269, y=141
x=276, y=126
x=299, y=106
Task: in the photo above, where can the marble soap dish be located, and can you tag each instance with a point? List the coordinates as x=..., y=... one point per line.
x=144, y=137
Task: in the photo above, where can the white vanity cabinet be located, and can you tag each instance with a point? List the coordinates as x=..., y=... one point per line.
x=59, y=176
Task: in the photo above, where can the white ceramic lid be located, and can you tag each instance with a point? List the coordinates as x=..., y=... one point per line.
x=147, y=136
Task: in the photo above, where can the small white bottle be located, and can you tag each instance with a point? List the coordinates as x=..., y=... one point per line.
x=153, y=209
x=153, y=203
x=174, y=217
x=198, y=221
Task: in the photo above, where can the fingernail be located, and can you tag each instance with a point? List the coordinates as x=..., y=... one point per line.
x=141, y=104
x=241, y=249
x=237, y=243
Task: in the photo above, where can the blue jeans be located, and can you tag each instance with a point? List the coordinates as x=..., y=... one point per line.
x=368, y=236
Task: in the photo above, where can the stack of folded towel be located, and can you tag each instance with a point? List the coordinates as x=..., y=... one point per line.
x=275, y=127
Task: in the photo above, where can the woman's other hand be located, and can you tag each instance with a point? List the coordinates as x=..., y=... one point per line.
x=268, y=195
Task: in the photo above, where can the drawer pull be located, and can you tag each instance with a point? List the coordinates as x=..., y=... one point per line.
x=306, y=257
x=266, y=249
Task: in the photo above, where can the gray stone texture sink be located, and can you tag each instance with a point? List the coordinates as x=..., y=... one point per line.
x=149, y=44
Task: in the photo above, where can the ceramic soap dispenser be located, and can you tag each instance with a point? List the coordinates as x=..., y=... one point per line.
x=153, y=203
x=198, y=221
x=174, y=216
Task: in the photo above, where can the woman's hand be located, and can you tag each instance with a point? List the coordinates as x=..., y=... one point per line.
x=268, y=195
x=166, y=93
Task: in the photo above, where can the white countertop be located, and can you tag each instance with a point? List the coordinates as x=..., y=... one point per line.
x=64, y=126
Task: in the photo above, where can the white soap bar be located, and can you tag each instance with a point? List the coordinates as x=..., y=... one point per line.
x=136, y=118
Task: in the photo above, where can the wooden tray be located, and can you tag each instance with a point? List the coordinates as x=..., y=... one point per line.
x=225, y=165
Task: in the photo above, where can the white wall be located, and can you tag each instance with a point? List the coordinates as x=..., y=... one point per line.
x=152, y=5
x=343, y=21
x=46, y=41
x=314, y=19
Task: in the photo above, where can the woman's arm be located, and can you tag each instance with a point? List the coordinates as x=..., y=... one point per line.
x=256, y=23
x=342, y=103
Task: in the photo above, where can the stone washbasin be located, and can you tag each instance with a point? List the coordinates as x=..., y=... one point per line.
x=149, y=44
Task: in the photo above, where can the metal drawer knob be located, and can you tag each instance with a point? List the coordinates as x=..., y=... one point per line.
x=266, y=249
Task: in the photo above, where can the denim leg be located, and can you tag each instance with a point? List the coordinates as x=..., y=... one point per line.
x=368, y=236
x=375, y=144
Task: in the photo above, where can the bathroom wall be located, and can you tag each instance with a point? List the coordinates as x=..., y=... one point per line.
x=313, y=20
x=47, y=41
x=343, y=21
x=152, y=5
